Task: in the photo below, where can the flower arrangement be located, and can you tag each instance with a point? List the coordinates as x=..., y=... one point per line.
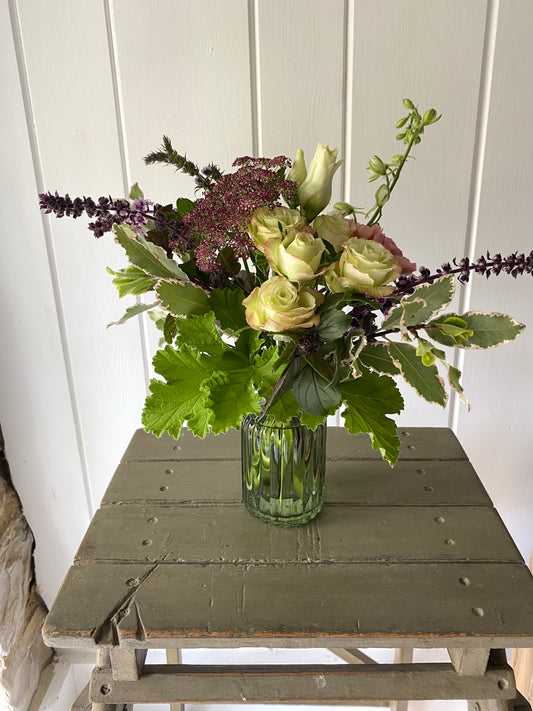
x=269, y=306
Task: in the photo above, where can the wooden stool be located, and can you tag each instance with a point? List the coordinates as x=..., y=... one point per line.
x=404, y=558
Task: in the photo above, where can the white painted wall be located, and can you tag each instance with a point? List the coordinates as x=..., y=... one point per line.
x=88, y=88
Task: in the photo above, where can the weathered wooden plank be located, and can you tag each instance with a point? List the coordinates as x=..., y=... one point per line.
x=516, y=704
x=348, y=482
x=416, y=443
x=340, y=534
x=362, y=605
x=301, y=684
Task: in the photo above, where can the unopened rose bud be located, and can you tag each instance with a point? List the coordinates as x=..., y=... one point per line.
x=315, y=191
x=298, y=171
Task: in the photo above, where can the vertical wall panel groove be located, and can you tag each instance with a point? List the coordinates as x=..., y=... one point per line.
x=478, y=159
x=50, y=250
x=126, y=173
x=255, y=74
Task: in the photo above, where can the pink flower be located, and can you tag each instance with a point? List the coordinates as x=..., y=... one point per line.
x=376, y=234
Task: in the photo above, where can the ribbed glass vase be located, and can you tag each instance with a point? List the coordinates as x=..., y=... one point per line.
x=282, y=470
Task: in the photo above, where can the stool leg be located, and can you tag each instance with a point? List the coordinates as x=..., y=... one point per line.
x=174, y=657
x=403, y=655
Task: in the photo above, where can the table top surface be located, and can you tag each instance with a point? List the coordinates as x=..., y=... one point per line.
x=411, y=556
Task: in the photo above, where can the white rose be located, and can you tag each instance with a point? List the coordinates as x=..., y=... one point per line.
x=265, y=223
x=296, y=257
x=366, y=267
x=315, y=190
x=278, y=305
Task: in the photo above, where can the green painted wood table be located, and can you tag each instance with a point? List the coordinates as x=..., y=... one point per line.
x=403, y=558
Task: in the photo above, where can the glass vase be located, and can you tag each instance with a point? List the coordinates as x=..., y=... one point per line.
x=282, y=470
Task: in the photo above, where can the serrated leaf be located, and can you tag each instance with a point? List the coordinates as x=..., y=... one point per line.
x=200, y=332
x=185, y=366
x=368, y=400
x=231, y=396
x=423, y=378
x=312, y=421
x=131, y=311
x=314, y=394
x=489, y=330
x=169, y=405
x=132, y=280
x=147, y=256
x=228, y=308
x=169, y=328
x=393, y=318
x=181, y=298
x=377, y=357
x=427, y=300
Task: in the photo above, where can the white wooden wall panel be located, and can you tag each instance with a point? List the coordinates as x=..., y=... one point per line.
x=195, y=88
x=498, y=432
x=300, y=76
x=71, y=91
x=107, y=79
x=35, y=403
x=430, y=53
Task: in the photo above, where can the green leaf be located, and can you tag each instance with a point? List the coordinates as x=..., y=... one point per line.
x=136, y=192
x=377, y=357
x=184, y=205
x=184, y=366
x=131, y=311
x=393, y=318
x=489, y=330
x=333, y=324
x=368, y=400
x=169, y=328
x=169, y=405
x=231, y=396
x=312, y=421
x=147, y=256
x=228, y=308
x=181, y=299
x=318, y=363
x=315, y=394
x=424, y=379
x=200, y=332
x=249, y=342
x=427, y=300
x=132, y=280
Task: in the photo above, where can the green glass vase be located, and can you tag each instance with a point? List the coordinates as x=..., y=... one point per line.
x=282, y=470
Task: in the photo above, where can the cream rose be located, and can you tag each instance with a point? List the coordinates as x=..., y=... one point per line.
x=366, y=267
x=278, y=305
x=315, y=191
x=336, y=229
x=265, y=224
x=296, y=257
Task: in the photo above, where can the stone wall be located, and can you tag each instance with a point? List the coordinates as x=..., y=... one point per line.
x=23, y=655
